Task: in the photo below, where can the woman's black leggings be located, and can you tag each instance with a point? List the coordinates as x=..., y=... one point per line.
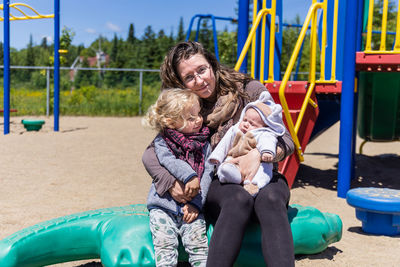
x=232, y=207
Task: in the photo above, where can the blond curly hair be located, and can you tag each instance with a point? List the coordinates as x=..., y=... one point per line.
x=169, y=108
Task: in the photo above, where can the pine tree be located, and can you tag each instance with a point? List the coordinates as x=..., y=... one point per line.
x=131, y=34
x=44, y=43
x=181, y=36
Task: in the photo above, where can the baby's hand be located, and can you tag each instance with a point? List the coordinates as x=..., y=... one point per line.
x=214, y=161
x=267, y=157
x=192, y=187
x=190, y=213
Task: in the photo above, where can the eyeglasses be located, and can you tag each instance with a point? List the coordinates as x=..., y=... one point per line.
x=191, y=78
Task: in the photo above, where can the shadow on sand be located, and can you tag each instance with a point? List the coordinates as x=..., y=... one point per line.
x=370, y=171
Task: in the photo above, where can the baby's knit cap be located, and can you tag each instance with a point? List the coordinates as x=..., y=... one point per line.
x=270, y=112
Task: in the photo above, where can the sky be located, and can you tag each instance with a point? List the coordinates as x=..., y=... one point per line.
x=89, y=19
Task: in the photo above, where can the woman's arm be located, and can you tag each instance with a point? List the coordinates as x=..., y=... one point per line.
x=285, y=147
x=162, y=179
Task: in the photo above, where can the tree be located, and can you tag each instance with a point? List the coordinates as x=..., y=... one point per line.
x=83, y=77
x=206, y=35
x=30, y=57
x=149, y=48
x=43, y=44
x=181, y=36
x=131, y=34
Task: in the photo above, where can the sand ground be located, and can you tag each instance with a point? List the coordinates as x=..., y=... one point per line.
x=94, y=163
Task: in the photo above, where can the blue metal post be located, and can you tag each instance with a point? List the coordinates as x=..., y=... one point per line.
x=359, y=30
x=257, y=59
x=190, y=27
x=198, y=28
x=243, y=30
x=216, y=51
x=347, y=99
x=6, y=79
x=329, y=45
x=56, y=64
x=340, y=47
x=278, y=41
x=215, y=35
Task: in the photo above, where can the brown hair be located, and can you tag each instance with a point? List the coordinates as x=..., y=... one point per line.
x=226, y=80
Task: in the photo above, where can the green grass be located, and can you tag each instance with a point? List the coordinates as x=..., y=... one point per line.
x=88, y=101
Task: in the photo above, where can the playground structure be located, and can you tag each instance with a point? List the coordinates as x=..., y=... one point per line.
x=289, y=93
x=213, y=18
x=23, y=11
x=339, y=40
x=339, y=68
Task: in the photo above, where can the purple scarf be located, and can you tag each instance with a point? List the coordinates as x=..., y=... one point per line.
x=188, y=147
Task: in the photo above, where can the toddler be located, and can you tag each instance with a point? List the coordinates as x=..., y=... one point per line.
x=182, y=148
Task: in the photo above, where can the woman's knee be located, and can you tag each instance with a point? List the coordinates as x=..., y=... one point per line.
x=239, y=200
x=273, y=195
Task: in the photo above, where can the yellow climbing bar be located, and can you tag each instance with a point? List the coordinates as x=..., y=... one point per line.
x=253, y=46
x=261, y=14
x=311, y=15
x=25, y=16
x=311, y=18
x=382, y=47
x=334, y=40
x=397, y=42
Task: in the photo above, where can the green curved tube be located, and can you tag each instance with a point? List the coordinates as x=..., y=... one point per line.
x=120, y=236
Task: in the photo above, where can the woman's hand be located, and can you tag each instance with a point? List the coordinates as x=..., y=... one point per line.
x=192, y=187
x=177, y=192
x=249, y=164
x=280, y=154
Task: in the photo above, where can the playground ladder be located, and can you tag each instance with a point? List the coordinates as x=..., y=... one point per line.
x=297, y=98
x=380, y=60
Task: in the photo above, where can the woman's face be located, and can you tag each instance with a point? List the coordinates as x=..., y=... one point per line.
x=198, y=76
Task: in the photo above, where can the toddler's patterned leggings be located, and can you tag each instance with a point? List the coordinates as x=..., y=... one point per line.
x=165, y=229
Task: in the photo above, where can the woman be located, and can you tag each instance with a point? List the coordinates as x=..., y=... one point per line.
x=225, y=93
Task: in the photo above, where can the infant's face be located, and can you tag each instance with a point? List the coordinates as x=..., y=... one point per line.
x=251, y=120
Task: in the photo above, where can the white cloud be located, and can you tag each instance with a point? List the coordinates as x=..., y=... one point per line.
x=90, y=30
x=113, y=27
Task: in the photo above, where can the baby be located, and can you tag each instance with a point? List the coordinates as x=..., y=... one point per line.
x=258, y=127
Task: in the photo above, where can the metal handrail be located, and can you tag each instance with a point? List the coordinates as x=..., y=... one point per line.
x=17, y=6
x=261, y=14
x=311, y=17
x=382, y=47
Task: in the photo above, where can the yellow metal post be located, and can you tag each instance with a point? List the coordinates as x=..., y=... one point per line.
x=246, y=46
x=253, y=46
x=263, y=43
x=384, y=25
x=272, y=43
x=369, y=25
x=334, y=40
x=323, y=43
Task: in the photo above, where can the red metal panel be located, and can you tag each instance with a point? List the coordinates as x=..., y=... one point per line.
x=295, y=94
x=377, y=62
